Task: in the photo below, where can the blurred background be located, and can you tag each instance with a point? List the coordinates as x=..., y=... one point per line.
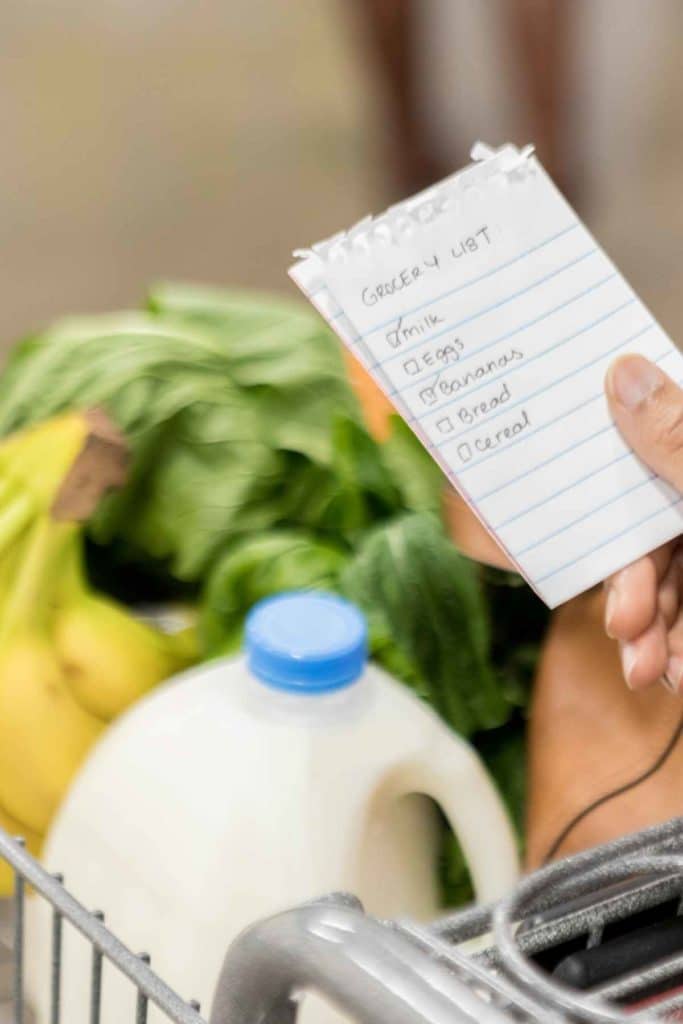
x=206, y=140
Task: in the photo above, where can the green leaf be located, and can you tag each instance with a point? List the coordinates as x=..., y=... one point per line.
x=519, y=620
x=456, y=884
x=424, y=598
x=267, y=342
x=256, y=568
x=503, y=752
x=418, y=478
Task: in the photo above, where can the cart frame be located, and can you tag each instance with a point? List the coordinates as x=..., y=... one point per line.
x=105, y=945
x=388, y=972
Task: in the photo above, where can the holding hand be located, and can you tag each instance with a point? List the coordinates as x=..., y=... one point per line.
x=644, y=601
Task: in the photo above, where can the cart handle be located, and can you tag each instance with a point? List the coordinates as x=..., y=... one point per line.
x=367, y=969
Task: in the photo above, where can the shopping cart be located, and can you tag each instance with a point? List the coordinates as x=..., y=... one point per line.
x=597, y=937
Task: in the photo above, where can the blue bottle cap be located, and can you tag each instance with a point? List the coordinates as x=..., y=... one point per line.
x=306, y=642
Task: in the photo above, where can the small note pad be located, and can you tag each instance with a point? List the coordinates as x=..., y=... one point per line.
x=489, y=315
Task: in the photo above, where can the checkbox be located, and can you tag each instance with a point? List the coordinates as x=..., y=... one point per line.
x=411, y=367
x=445, y=425
x=464, y=452
x=428, y=396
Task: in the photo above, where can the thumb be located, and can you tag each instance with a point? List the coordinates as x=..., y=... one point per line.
x=648, y=410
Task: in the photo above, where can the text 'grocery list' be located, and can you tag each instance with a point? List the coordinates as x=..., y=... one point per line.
x=489, y=315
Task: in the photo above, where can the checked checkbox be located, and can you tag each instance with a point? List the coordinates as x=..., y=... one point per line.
x=428, y=396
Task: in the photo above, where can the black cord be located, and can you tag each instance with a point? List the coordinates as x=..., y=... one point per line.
x=660, y=761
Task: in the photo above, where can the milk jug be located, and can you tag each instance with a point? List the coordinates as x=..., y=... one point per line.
x=251, y=784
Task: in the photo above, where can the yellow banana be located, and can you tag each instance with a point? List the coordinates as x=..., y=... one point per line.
x=110, y=659
x=69, y=660
x=44, y=732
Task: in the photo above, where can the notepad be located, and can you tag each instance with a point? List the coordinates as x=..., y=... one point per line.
x=488, y=314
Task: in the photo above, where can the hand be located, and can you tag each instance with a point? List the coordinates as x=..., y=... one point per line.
x=644, y=601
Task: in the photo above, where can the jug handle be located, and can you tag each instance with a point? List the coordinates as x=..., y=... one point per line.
x=454, y=776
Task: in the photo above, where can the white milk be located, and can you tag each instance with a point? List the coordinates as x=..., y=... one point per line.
x=251, y=784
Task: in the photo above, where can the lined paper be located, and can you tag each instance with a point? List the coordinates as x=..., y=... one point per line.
x=489, y=315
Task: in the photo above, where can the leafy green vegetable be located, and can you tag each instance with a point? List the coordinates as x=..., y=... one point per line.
x=346, y=497
x=422, y=596
x=215, y=438
x=423, y=602
x=519, y=620
x=504, y=754
x=417, y=476
x=252, y=473
x=456, y=883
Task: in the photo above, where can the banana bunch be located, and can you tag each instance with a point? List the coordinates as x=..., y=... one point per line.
x=71, y=660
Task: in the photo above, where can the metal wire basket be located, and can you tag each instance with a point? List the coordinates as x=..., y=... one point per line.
x=489, y=965
x=105, y=946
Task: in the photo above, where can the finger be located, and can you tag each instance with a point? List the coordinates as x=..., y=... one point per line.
x=669, y=596
x=644, y=660
x=632, y=594
x=647, y=407
x=674, y=667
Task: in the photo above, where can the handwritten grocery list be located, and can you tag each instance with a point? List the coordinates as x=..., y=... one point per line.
x=489, y=315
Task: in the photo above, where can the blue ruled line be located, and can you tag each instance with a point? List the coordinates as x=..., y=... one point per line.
x=545, y=426
x=431, y=372
x=608, y=540
x=569, y=487
x=483, y=312
x=552, y=458
x=589, y=514
x=522, y=366
x=571, y=448
x=476, y=280
x=548, y=387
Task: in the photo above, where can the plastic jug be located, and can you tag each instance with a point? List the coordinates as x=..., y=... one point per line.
x=248, y=785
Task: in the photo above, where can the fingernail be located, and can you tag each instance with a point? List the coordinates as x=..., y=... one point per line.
x=632, y=379
x=611, y=608
x=629, y=659
x=674, y=674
